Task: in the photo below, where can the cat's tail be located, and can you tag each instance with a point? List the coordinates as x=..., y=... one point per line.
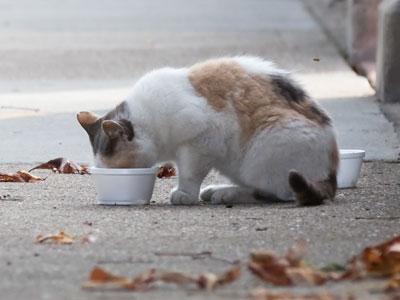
x=312, y=193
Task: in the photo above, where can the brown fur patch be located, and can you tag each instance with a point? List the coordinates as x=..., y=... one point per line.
x=121, y=159
x=254, y=99
x=85, y=117
x=88, y=121
x=335, y=157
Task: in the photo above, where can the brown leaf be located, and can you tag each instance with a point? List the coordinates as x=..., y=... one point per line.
x=209, y=281
x=270, y=268
x=142, y=281
x=99, y=275
x=60, y=238
x=176, y=277
x=20, y=176
x=63, y=166
x=266, y=258
x=99, y=278
x=166, y=171
x=296, y=253
x=355, y=272
x=393, y=284
x=288, y=270
x=383, y=259
x=307, y=274
x=230, y=275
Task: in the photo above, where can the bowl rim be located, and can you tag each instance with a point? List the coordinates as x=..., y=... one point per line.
x=351, y=153
x=122, y=171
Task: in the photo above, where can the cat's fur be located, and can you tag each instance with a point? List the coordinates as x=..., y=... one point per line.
x=241, y=116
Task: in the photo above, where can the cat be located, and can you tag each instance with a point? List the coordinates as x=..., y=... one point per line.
x=240, y=115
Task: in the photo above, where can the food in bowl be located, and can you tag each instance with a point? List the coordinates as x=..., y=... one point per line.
x=124, y=186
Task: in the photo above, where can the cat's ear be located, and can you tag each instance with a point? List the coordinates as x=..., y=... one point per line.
x=88, y=121
x=122, y=128
x=112, y=129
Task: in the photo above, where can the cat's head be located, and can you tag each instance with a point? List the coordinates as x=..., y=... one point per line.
x=113, y=140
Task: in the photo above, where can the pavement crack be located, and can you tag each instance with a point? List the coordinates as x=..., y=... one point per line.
x=125, y=261
x=199, y=255
x=378, y=218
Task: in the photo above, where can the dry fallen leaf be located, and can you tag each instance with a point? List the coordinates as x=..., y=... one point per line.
x=166, y=171
x=288, y=270
x=296, y=253
x=394, y=284
x=307, y=274
x=99, y=278
x=270, y=268
x=60, y=238
x=176, y=277
x=383, y=259
x=63, y=166
x=209, y=281
x=20, y=176
x=356, y=271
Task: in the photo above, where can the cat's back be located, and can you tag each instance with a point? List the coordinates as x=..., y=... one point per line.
x=245, y=80
x=160, y=83
x=257, y=93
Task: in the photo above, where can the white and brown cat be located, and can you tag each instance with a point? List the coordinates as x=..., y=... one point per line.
x=241, y=116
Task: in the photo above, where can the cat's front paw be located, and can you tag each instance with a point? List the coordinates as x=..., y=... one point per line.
x=223, y=196
x=178, y=197
x=207, y=193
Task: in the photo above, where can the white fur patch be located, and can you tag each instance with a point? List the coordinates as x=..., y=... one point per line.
x=256, y=65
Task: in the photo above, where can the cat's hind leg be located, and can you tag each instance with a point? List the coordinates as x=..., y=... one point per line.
x=232, y=194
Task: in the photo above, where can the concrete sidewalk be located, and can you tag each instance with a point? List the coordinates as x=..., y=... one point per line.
x=127, y=239
x=60, y=58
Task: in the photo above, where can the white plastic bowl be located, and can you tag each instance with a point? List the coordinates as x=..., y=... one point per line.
x=349, y=168
x=124, y=186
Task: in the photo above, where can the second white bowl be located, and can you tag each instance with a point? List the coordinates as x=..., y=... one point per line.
x=124, y=186
x=349, y=168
